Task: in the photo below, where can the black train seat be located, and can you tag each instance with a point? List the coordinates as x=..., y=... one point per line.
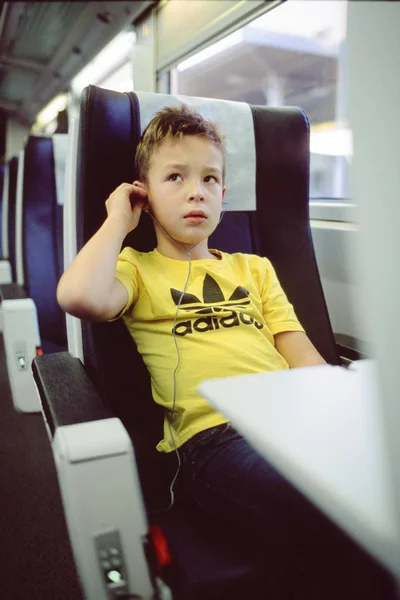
x=42, y=240
x=32, y=320
x=206, y=564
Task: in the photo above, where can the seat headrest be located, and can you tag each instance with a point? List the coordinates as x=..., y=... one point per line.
x=60, y=147
x=235, y=122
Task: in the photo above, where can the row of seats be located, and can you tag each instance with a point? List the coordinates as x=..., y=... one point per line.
x=32, y=226
x=96, y=398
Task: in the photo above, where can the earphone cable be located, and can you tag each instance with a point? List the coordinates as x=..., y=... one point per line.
x=170, y=414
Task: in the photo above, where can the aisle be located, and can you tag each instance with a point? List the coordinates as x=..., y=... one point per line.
x=35, y=556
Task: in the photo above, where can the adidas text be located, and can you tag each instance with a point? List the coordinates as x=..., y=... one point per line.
x=203, y=324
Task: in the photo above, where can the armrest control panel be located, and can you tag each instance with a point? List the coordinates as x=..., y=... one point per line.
x=111, y=561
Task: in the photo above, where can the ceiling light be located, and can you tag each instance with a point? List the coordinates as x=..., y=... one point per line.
x=107, y=61
x=50, y=112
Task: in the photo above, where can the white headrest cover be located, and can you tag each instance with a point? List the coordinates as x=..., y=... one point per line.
x=235, y=122
x=60, y=144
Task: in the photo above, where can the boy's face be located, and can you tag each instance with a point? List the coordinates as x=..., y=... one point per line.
x=184, y=178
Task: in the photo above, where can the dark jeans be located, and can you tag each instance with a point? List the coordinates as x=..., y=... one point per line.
x=238, y=489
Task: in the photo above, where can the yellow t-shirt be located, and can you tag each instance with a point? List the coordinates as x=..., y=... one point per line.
x=225, y=326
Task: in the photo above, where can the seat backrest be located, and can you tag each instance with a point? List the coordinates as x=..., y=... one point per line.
x=279, y=229
x=42, y=249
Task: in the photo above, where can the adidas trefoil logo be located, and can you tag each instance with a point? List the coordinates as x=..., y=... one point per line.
x=213, y=302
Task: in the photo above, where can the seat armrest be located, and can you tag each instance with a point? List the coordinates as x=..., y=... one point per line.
x=12, y=291
x=98, y=479
x=21, y=343
x=350, y=348
x=67, y=394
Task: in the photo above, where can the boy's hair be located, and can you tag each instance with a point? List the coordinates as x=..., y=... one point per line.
x=173, y=123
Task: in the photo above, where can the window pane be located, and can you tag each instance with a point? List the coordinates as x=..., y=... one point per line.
x=120, y=80
x=290, y=56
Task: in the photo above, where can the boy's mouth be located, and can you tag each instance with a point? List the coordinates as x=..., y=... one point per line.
x=196, y=214
x=196, y=217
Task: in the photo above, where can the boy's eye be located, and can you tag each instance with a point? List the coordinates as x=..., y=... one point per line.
x=174, y=177
x=207, y=178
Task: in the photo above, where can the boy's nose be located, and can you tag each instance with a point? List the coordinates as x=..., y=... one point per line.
x=196, y=192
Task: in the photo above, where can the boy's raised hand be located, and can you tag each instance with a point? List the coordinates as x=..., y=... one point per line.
x=125, y=204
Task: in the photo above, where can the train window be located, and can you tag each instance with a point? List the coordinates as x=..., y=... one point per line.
x=111, y=69
x=120, y=80
x=292, y=55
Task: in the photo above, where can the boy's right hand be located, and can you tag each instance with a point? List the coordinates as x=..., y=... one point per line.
x=125, y=204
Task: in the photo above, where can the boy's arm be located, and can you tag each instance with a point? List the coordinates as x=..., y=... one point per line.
x=88, y=289
x=297, y=349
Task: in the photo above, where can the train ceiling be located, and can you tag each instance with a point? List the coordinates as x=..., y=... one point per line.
x=43, y=45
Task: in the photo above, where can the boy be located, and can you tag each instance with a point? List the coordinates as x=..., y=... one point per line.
x=224, y=314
